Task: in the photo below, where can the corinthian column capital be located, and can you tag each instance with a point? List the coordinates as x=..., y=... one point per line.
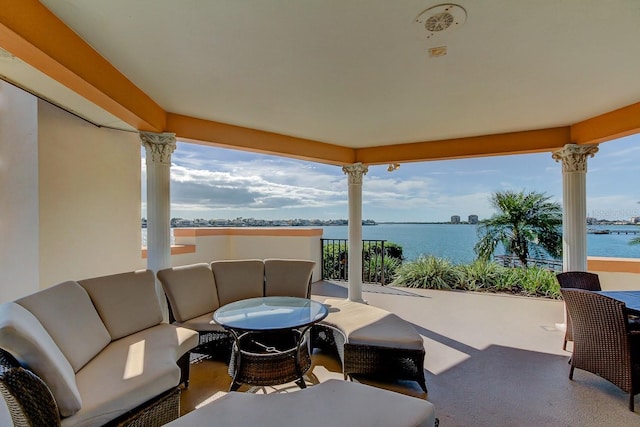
x=159, y=146
x=355, y=171
x=574, y=157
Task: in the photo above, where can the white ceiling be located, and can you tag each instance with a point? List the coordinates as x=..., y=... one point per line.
x=358, y=73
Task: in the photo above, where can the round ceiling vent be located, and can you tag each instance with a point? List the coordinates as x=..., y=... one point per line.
x=441, y=17
x=439, y=22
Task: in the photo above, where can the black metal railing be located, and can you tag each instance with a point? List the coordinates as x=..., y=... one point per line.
x=335, y=260
x=514, y=261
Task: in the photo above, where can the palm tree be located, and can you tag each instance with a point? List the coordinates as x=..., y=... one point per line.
x=525, y=223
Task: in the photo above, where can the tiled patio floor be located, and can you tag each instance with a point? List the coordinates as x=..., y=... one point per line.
x=492, y=360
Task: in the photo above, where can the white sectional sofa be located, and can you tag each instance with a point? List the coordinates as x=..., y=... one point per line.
x=102, y=350
x=195, y=291
x=370, y=341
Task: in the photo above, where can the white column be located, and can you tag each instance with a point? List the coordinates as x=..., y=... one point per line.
x=159, y=147
x=355, y=173
x=574, y=204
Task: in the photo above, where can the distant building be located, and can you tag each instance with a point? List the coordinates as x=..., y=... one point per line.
x=473, y=219
x=635, y=219
x=455, y=219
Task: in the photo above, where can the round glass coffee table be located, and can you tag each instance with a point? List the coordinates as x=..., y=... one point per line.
x=270, y=338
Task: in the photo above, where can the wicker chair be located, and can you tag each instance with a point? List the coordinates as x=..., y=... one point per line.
x=603, y=343
x=577, y=280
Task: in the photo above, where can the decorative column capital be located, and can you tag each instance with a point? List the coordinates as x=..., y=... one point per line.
x=574, y=157
x=159, y=146
x=355, y=171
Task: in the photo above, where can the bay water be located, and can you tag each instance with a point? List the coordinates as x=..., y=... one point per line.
x=456, y=241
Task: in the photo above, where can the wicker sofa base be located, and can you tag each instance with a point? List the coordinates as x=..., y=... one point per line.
x=369, y=360
x=153, y=413
x=215, y=344
x=30, y=402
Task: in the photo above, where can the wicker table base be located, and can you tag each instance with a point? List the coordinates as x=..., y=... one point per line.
x=269, y=358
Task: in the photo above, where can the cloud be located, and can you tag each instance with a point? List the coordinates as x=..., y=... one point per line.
x=612, y=207
x=212, y=182
x=252, y=186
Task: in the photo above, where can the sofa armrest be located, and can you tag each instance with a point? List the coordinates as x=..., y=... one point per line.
x=28, y=399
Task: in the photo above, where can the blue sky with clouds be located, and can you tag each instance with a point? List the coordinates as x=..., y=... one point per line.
x=209, y=183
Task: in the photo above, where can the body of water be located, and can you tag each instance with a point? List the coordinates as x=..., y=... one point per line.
x=456, y=241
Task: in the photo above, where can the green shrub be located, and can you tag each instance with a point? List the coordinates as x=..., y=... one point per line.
x=335, y=258
x=373, y=268
x=394, y=250
x=480, y=275
x=335, y=261
x=536, y=281
x=428, y=272
x=438, y=273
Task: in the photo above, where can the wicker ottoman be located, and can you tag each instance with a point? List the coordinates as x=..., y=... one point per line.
x=332, y=403
x=371, y=342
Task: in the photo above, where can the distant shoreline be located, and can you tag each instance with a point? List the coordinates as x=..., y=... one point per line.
x=426, y=222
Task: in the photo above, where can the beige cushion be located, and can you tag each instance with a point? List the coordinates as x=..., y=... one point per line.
x=129, y=372
x=22, y=335
x=238, y=279
x=127, y=302
x=190, y=289
x=288, y=277
x=66, y=312
x=368, y=325
x=201, y=323
x=331, y=403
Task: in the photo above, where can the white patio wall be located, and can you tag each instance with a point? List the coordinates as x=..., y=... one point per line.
x=18, y=193
x=616, y=273
x=89, y=198
x=241, y=243
x=69, y=196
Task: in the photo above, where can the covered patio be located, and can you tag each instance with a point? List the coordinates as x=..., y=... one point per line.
x=491, y=360
x=383, y=84
x=350, y=84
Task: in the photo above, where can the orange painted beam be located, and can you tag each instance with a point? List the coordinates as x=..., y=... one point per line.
x=533, y=141
x=236, y=137
x=35, y=35
x=605, y=127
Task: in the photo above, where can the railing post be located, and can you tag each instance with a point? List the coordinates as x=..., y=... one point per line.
x=382, y=281
x=338, y=256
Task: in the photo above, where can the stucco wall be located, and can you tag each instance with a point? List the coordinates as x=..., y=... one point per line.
x=18, y=193
x=89, y=179
x=243, y=243
x=616, y=273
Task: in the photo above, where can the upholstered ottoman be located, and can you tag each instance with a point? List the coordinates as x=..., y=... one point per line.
x=371, y=341
x=331, y=403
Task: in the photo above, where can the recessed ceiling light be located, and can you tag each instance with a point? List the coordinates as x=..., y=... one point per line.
x=434, y=52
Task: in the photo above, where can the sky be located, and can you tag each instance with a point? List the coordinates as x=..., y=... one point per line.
x=216, y=183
